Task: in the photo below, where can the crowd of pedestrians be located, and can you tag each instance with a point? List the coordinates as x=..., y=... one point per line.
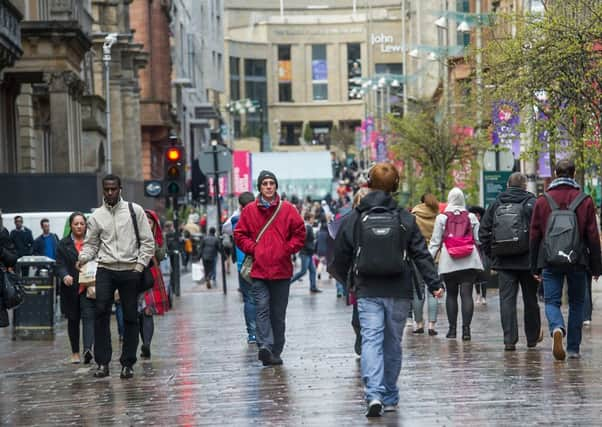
x=387, y=260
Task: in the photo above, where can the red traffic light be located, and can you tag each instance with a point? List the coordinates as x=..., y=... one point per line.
x=174, y=154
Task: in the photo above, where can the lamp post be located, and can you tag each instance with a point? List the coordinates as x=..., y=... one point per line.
x=247, y=105
x=110, y=40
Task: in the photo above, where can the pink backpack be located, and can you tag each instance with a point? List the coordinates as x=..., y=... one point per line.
x=457, y=236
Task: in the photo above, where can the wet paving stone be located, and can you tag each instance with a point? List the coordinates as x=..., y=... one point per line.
x=203, y=372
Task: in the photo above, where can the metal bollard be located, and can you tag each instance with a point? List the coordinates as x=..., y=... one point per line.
x=175, y=272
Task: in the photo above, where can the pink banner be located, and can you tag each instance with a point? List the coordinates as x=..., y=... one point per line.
x=223, y=186
x=242, y=171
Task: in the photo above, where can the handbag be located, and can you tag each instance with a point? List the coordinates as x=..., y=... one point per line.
x=147, y=281
x=13, y=293
x=247, y=263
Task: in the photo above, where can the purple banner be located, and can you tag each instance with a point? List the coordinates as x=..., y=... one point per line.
x=319, y=69
x=506, y=119
x=381, y=148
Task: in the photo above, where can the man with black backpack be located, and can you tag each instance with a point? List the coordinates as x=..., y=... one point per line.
x=373, y=251
x=565, y=243
x=504, y=236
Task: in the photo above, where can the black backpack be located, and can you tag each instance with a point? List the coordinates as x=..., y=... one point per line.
x=381, y=243
x=510, y=233
x=562, y=245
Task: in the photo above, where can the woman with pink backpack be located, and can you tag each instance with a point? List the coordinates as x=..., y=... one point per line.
x=455, y=239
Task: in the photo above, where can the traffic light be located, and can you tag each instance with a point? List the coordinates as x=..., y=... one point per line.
x=175, y=176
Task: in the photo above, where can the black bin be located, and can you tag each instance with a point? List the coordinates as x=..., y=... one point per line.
x=34, y=319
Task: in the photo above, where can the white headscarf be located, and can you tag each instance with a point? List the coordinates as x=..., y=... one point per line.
x=455, y=200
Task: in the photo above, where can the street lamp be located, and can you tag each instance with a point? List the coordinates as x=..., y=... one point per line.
x=241, y=106
x=110, y=40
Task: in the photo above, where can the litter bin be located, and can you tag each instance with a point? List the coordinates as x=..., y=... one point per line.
x=34, y=319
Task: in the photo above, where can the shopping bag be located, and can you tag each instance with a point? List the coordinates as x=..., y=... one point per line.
x=198, y=273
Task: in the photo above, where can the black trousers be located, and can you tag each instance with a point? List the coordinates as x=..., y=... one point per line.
x=509, y=281
x=271, y=300
x=459, y=282
x=107, y=281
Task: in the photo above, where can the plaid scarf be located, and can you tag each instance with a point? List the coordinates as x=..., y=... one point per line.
x=564, y=181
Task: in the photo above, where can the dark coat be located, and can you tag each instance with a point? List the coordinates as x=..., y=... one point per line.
x=210, y=247
x=23, y=240
x=397, y=286
x=8, y=253
x=310, y=241
x=283, y=238
x=563, y=195
x=322, y=242
x=514, y=262
x=66, y=257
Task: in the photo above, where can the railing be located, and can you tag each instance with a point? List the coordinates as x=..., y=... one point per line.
x=63, y=10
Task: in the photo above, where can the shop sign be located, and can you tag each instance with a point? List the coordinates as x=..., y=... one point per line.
x=386, y=43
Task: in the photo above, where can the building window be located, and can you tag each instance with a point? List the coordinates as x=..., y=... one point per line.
x=256, y=90
x=285, y=92
x=234, y=78
x=319, y=72
x=463, y=6
x=320, y=133
x=354, y=69
x=290, y=133
x=393, y=103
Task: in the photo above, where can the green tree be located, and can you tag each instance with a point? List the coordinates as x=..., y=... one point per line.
x=551, y=65
x=424, y=137
x=308, y=134
x=343, y=139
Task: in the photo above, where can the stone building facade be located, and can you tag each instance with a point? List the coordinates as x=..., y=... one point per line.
x=10, y=51
x=150, y=21
x=305, y=66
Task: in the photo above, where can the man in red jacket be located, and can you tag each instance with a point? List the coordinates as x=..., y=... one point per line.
x=272, y=267
x=564, y=190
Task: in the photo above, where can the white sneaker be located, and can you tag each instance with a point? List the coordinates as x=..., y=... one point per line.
x=478, y=299
x=558, y=346
x=391, y=408
x=587, y=323
x=484, y=301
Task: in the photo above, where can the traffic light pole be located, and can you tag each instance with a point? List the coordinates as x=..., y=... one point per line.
x=219, y=209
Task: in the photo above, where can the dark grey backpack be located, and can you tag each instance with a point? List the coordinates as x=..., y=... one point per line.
x=510, y=230
x=562, y=245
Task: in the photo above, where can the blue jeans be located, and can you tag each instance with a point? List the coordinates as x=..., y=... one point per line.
x=553, y=284
x=381, y=322
x=119, y=318
x=306, y=264
x=249, y=305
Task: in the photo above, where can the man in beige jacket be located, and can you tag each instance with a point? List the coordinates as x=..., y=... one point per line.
x=111, y=240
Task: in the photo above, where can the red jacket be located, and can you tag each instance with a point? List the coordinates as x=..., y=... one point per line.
x=563, y=195
x=284, y=237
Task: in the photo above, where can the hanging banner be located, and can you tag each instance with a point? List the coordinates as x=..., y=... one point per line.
x=369, y=128
x=506, y=120
x=319, y=70
x=242, y=172
x=285, y=73
x=381, y=148
x=373, y=137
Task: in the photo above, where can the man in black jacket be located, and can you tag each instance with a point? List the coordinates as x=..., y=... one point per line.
x=22, y=237
x=513, y=268
x=307, y=253
x=384, y=300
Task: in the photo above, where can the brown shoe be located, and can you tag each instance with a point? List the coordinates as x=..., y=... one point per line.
x=558, y=348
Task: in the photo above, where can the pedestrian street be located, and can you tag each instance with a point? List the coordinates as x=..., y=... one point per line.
x=203, y=372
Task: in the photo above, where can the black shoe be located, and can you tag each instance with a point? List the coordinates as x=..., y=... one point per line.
x=465, y=333
x=87, y=357
x=315, y=290
x=102, y=371
x=432, y=332
x=265, y=355
x=509, y=347
x=126, y=372
x=451, y=333
x=358, y=345
x=145, y=351
x=276, y=361
x=375, y=408
x=418, y=331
